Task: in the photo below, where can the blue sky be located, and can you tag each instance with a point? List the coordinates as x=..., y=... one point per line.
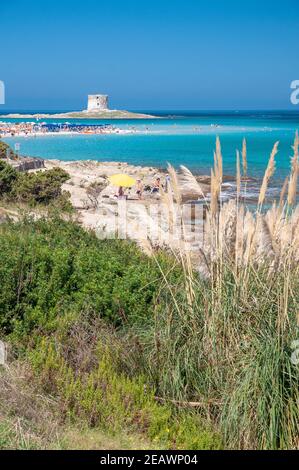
x=154, y=54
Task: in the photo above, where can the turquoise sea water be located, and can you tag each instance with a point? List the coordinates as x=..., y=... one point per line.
x=186, y=138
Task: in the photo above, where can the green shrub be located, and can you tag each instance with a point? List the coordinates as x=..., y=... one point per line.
x=8, y=176
x=51, y=268
x=97, y=393
x=41, y=187
x=230, y=349
x=6, y=150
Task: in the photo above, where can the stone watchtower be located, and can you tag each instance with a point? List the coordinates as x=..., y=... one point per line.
x=97, y=103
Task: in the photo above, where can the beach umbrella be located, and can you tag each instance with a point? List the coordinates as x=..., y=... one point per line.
x=122, y=180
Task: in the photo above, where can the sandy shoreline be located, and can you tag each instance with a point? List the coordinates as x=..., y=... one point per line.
x=104, y=114
x=67, y=133
x=41, y=129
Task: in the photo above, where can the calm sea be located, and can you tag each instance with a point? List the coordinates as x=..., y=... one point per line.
x=180, y=138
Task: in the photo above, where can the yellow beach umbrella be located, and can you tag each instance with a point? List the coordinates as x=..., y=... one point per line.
x=122, y=180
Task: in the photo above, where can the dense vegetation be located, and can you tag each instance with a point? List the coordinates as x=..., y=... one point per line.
x=42, y=187
x=63, y=269
x=104, y=331
x=62, y=286
x=8, y=177
x=120, y=340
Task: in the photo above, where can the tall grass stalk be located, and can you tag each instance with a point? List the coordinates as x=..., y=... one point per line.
x=229, y=344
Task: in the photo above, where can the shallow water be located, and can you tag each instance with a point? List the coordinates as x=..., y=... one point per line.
x=185, y=138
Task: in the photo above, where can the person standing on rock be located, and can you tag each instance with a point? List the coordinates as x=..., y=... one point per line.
x=139, y=188
x=121, y=193
x=167, y=183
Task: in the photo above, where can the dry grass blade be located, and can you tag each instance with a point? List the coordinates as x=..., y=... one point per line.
x=292, y=191
x=238, y=178
x=283, y=192
x=216, y=178
x=188, y=181
x=175, y=184
x=214, y=193
x=218, y=161
x=268, y=174
x=244, y=157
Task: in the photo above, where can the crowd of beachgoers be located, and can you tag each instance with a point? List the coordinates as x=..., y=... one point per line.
x=11, y=129
x=140, y=189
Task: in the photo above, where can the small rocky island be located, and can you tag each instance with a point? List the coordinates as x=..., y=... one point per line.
x=97, y=108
